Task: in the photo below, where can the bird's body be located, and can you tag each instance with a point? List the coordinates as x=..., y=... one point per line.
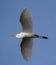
x=24, y=34
x=27, y=34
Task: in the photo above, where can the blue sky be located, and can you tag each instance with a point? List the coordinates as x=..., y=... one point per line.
x=44, y=23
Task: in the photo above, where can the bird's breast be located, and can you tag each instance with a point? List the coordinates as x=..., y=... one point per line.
x=25, y=34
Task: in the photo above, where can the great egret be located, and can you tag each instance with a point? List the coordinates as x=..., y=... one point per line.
x=27, y=34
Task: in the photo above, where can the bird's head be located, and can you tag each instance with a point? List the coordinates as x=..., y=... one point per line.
x=17, y=35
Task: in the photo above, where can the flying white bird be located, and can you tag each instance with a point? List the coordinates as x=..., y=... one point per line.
x=27, y=34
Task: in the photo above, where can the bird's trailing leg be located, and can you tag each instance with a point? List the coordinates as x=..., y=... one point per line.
x=38, y=36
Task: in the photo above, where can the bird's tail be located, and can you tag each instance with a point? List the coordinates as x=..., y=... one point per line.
x=38, y=36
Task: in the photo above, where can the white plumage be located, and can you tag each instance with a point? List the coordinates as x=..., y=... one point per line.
x=27, y=34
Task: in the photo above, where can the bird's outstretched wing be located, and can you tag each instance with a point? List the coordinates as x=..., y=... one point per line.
x=26, y=20
x=26, y=48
